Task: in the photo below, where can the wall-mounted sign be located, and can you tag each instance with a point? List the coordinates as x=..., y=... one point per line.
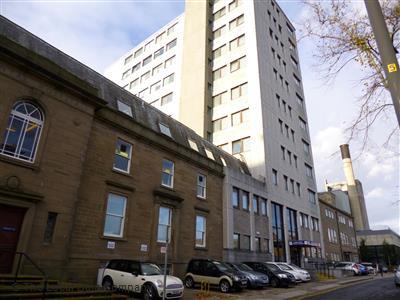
x=110, y=245
x=143, y=247
x=163, y=249
x=8, y=229
x=392, y=68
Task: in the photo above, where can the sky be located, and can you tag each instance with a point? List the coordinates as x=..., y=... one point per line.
x=97, y=32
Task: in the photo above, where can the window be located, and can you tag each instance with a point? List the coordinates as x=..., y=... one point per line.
x=146, y=61
x=164, y=224
x=236, y=22
x=306, y=147
x=255, y=204
x=245, y=200
x=193, y=145
x=171, y=29
x=166, y=99
x=298, y=188
x=290, y=29
x=351, y=224
x=134, y=83
x=148, y=45
x=300, y=101
x=278, y=232
x=219, y=99
x=285, y=180
x=289, y=154
x=200, y=231
x=218, y=32
x=235, y=197
x=145, y=76
x=126, y=74
x=159, y=52
x=304, y=220
x=217, y=74
x=136, y=67
x=170, y=61
x=128, y=59
x=170, y=45
x=283, y=152
x=236, y=43
x=167, y=173
x=169, y=79
x=239, y=91
x=236, y=241
x=257, y=244
x=143, y=93
x=23, y=131
x=292, y=133
x=314, y=224
x=138, y=52
x=50, y=225
x=115, y=215
x=234, y=4
x=220, y=124
x=246, y=242
x=274, y=177
x=157, y=69
x=155, y=87
x=309, y=171
x=218, y=52
x=210, y=155
x=219, y=14
x=303, y=124
x=280, y=125
x=125, y=108
x=241, y=145
x=160, y=37
x=201, y=186
x=263, y=206
x=292, y=186
x=292, y=224
x=224, y=147
x=311, y=196
x=122, y=158
x=237, y=64
x=240, y=117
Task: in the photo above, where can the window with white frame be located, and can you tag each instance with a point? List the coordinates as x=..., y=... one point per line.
x=167, y=178
x=124, y=108
x=255, y=204
x=238, y=64
x=126, y=73
x=146, y=61
x=220, y=124
x=136, y=67
x=218, y=32
x=219, y=73
x=171, y=45
x=241, y=145
x=155, y=87
x=309, y=171
x=115, y=216
x=219, y=14
x=123, y=153
x=134, y=83
x=157, y=69
x=239, y=91
x=166, y=99
x=219, y=51
x=138, y=52
x=236, y=22
x=145, y=76
x=263, y=206
x=220, y=99
x=311, y=196
x=164, y=224
x=200, y=231
x=23, y=131
x=169, y=62
x=169, y=79
x=165, y=129
x=236, y=43
x=201, y=185
x=128, y=59
x=193, y=145
x=209, y=154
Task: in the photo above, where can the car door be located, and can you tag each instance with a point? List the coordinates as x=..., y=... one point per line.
x=212, y=273
x=132, y=278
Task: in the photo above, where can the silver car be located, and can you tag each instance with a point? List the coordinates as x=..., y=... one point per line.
x=397, y=277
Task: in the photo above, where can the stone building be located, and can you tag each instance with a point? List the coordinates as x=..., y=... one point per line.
x=89, y=172
x=337, y=227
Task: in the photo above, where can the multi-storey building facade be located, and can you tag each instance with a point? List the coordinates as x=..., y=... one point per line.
x=240, y=87
x=338, y=227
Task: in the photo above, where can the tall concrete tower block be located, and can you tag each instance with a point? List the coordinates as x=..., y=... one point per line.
x=355, y=191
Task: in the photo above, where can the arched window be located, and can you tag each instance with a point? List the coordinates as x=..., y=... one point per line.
x=21, y=137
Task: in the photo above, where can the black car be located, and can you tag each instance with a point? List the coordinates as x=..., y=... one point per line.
x=215, y=273
x=277, y=277
x=254, y=279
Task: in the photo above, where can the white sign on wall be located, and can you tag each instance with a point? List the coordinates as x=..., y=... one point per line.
x=110, y=245
x=143, y=247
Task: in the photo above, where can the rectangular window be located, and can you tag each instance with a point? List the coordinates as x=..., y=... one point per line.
x=160, y=37
x=241, y=145
x=50, y=225
x=246, y=242
x=170, y=45
x=138, y=52
x=235, y=197
x=157, y=69
x=240, y=117
x=245, y=200
x=172, y=29
x=236, y=22
x=134, y=83
x=239, y=91
x=238, y=64
x=257, y=244
x=285, y=180
x=193, y=145
x=148, y=45
x=292, y=186
x=159, y=52
x=309, y=171
x=201, y=186
x=166, y=99
x=219, y=14
x=146, y=61
x=311, y=196
x=298, y=189
x=304, y=220
x=124, y=108
x=115, y=215
x=164, y=224
x=218, y=52
x=126, y=73
x=303, y=124
x=145, y=76
x=219, y=99
x=236, y=43
x=167, y=178
x=263, y=206
x=314, y=223
x=274, y=177
x=170, y=61
x=122, y=159
x=169, y=79
x=255, y=204
x=236, y=241
x=234, y=4
x=220, y=124
x=219, y=73
x=218, y=32
x=306, y=147
x=200, y=231
x=128, y=59
x=209, y=154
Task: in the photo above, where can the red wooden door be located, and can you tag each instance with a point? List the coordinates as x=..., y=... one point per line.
x=11, y=218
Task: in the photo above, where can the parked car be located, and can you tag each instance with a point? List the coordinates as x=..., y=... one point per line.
x=362, y=270
x=370, y=267
x=397, y=277
x=254, y=279
x=216, y=273
x=277, y=277
x=139, y=277
x=296, y=271
x=348, y=266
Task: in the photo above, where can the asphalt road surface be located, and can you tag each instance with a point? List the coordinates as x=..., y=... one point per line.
x=376, y=289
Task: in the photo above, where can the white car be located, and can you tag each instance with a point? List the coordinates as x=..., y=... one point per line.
x=299, y=274
x=140, y=278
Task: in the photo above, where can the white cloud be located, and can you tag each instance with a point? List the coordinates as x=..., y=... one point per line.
x=384, y=164
x=375, y=193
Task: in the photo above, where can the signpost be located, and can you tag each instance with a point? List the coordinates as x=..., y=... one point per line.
x=165, y=250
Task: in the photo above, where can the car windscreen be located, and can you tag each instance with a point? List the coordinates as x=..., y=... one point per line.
x=273, y=267
x=284, y=267
x=295, y=267
x=243, y=267
x=150, y=269
x=341, y=265
x=223, y=267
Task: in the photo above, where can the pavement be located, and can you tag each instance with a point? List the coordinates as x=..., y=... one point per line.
x=301, y=291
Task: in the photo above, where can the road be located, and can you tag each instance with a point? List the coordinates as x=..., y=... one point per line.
x=377, y=289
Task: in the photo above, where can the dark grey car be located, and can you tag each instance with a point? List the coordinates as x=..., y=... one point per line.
x=254, y=279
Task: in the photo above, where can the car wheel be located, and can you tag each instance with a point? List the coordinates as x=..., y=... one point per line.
x=224, y=286
x=248, y=284
x=189, y=282
x=149, y=292
x=107, y=283
x=274, y=282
